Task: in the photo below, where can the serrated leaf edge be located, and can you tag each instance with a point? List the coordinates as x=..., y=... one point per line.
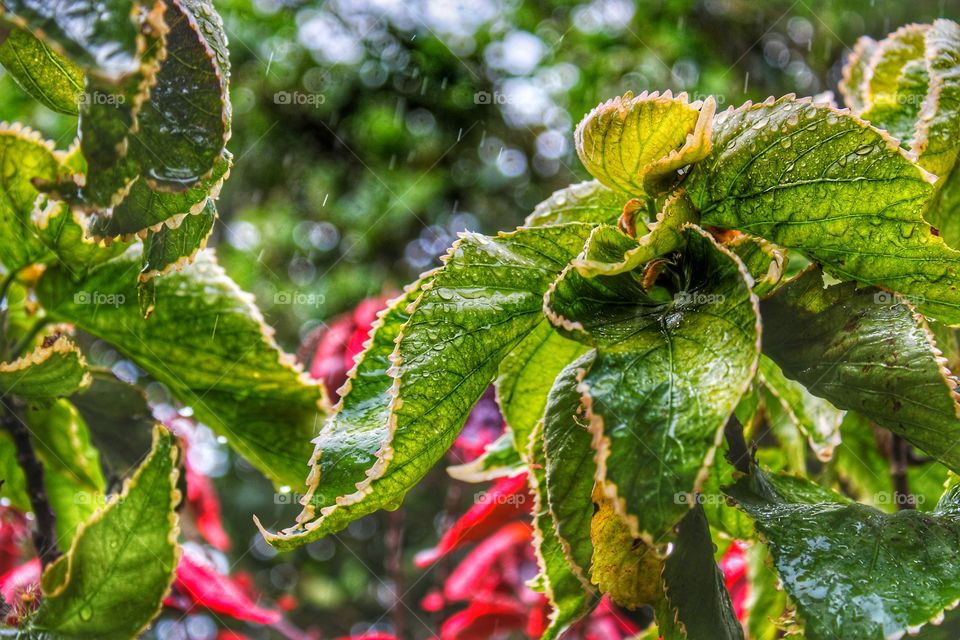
x=536, y=438
x=564, y=543
x=852, y=97
x=676, y=158
x=931, y=102
x=823, y=453
x=891, y=143
x=877, y=54
x=63, y=346
x=99, y=514
x=308, y=514
x=182, y=261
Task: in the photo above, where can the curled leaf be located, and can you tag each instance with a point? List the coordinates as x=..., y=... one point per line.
x=635, y=144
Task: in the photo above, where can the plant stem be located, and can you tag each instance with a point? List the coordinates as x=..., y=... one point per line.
x=45, y=533
x=899, y=461
x=738, y=454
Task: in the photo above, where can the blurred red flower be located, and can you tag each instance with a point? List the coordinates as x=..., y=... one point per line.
x=734, y=567
x=328, y=352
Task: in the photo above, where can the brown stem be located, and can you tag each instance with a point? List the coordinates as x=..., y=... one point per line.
x=899, y=461
x=45, y=533
x=737, y=452
x=394, y=564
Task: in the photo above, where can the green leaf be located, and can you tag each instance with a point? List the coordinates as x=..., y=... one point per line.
x=569, y=593
x=14, y=487
x=888, y=63
x=790, y=452
x=109, y=111
x=105, y=38
x=108, y=118
x=765, y=262
x=526, y=377
x=728, y=521
x=766, y=602
x=570, y=469
x=47, y=76
x=351, y=440
x=112, y=581
x=168, y=249
x=810, y=178
x=35, y=227
x=898, y=113
x=223, y=363
x=817, y=419
x=184, y=126
x=636, y=144
x=659, y=353
x=64, y=232
x=851, y=570
x=867, y=351
x=165, y=127
x=937, y=142
x=944, y=213
x=694, y=585
x=589, y=202
x=623, y=567
x=71, y=464
x=475, y=309
x=48, y=372
x=854, y=70
x=24, y=156
x=500, y=459
x=609, y=252
x=144, y=208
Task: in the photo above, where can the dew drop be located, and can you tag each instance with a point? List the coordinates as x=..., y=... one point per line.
x=86, y=613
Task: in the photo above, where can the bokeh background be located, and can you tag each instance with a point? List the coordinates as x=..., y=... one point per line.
x=367, y=133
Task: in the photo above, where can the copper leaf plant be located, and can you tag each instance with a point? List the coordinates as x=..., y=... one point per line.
x=741, y=328
x=705, y=342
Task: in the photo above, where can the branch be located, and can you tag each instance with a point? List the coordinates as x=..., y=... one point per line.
x=899, y=460
x=45, y=533
x=737, y=452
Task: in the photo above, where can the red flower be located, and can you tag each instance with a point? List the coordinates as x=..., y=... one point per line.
x=20, y=587
x=483, y=426
x=205, y=505
x=483, y=619
x=329, y=351
x=493, y=576
x=202, y=499
x=199, y=584
x=505, y=501
x=734, y=567
x=483, y=569
x=13, y=531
